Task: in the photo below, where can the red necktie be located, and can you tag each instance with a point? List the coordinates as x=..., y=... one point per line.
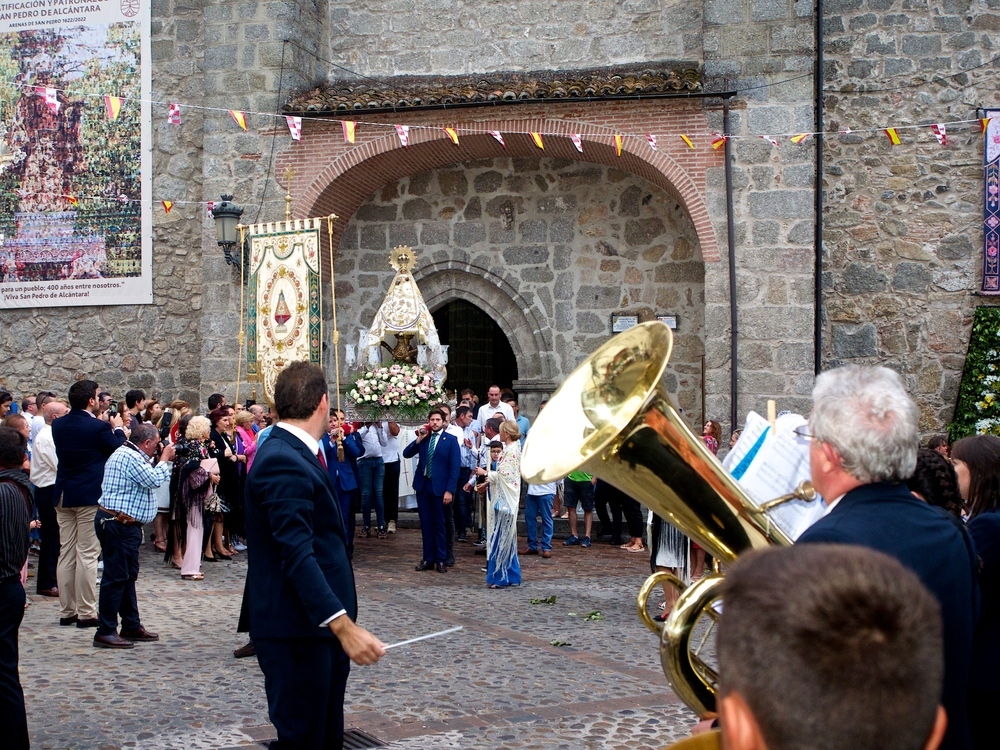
x=321, y=457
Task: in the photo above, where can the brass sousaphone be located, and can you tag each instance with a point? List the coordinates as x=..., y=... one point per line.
x=613, y=419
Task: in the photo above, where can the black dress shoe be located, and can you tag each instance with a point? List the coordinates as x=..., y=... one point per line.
x=89, y=622
x=209, y=559
x=442, y=568
x=139, y=634
x=424, y=565
x=112, y=640
x=66, y=621
x=450, y=562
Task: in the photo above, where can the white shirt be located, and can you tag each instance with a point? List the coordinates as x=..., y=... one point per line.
x=312, y=445
x=43, y=459
x=374, y=439
x=486, y=412
x=548, y=488
x=390, y=452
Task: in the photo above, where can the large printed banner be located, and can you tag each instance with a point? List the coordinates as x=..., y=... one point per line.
x=284, y=315
x=75, y=153
x=991, y=205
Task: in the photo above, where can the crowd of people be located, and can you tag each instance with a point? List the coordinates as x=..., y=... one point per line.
x=85, y=473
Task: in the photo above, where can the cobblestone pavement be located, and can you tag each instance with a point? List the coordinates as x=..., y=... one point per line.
x=499, y=683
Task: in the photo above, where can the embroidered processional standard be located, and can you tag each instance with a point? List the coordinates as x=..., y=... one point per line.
x=284, y=311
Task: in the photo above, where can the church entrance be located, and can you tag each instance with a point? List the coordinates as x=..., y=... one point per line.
x=479, y=354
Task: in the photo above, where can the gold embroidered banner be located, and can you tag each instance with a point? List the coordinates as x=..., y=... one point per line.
x=284, y=314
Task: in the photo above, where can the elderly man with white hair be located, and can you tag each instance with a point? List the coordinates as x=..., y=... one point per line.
x=864, y=436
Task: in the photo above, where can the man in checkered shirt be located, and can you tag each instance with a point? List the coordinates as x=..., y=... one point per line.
x=127, y=502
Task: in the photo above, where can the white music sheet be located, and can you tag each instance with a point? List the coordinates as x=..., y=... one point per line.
x=769, y=463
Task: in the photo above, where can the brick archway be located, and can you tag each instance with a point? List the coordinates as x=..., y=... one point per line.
x=351, y=174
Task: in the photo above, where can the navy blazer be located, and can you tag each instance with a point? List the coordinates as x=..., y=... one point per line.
x=985, y=531
x=298, y=571
x=447, y=463
x=934, y=545
x=83, y=443
x=342, y=472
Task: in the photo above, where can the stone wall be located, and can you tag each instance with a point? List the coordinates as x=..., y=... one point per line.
x=574, y=241
x=765, y=48
x=902, y=232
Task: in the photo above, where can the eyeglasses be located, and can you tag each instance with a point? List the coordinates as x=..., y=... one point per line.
x=803, y=432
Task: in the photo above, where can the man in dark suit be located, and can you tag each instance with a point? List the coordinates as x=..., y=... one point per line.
x=435, y=481
x=300, y=584
x=343, y=472
x=864, y=440
x=83, y=443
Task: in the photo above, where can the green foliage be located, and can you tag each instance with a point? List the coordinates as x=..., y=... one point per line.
x=978, y=409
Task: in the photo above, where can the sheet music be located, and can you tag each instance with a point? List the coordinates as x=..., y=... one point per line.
x=769, y=463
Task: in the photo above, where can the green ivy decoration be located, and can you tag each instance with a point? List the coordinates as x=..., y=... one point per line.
x=978, y=408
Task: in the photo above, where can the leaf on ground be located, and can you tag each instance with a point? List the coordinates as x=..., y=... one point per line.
x=545, y=600
x=560, y=643
x=594, y=616
x=572, y=614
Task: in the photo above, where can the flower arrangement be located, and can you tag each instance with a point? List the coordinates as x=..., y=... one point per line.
x=978, y=409
x=401, y=392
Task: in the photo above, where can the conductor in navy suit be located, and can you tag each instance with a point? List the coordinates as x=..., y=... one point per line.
x=863, y=433
x=436, y=478
x=300, y=583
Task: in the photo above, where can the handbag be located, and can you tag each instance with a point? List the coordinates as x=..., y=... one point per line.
x=213, y=503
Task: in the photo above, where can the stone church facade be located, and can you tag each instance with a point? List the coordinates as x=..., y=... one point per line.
x=550, y=244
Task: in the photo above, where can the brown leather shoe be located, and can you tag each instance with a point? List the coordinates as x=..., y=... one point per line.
x=140, y=634
x=528, y=551
x=244, y=651
x=442, y=568
x=53, y=592
x=546, y=554
x=88, y=622
x=112, y=640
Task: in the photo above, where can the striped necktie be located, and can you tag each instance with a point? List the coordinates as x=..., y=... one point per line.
x=430, y=453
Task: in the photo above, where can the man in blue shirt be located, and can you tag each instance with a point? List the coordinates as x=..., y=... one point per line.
x=127, y=502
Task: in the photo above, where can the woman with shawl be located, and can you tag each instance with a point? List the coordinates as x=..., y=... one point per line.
x=194, y=484
x=503, y=568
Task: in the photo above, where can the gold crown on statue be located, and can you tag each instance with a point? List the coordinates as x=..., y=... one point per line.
x=402, y=258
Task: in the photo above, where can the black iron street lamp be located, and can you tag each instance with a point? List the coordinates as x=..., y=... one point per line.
x=227, y=218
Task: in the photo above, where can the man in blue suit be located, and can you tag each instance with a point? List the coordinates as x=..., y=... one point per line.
x=83, y=443
x=300, y=584
x=436, y=478
x=343, y=472
x=863, y=445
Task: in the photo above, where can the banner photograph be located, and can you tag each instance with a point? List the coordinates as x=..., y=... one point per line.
x=75, y=135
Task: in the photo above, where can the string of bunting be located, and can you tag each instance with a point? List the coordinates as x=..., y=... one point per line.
x=113, y=107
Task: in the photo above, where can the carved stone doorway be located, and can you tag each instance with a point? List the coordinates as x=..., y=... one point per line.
x=479, y=352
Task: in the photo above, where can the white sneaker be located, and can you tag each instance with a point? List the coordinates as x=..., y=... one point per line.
x=392, y=527
x=240, y=547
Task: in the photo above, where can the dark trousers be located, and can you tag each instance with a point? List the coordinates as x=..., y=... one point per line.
x=449, y=531
x=430, y=508
x=304, y=679
x=390, y=491
x=120, y=546
x=13, y=719
x=348, y=501
x=463, y=503
x=48, y=555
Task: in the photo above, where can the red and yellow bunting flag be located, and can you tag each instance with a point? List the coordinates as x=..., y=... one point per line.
x=453, y=134
x=799, y=138
x=618, y=144
x=349, y=127
x=718, y=141
x=112, y=106
x=73, y=200
x=577, y=141
x=167, y=205
x=499, y=137
x=984, y=122
x=537, y=139
x=938, y=129
x=652, y=140
x=174, y=114
x=687, y=141
x=403, y=133
x=893, y=136
x=240, y=118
